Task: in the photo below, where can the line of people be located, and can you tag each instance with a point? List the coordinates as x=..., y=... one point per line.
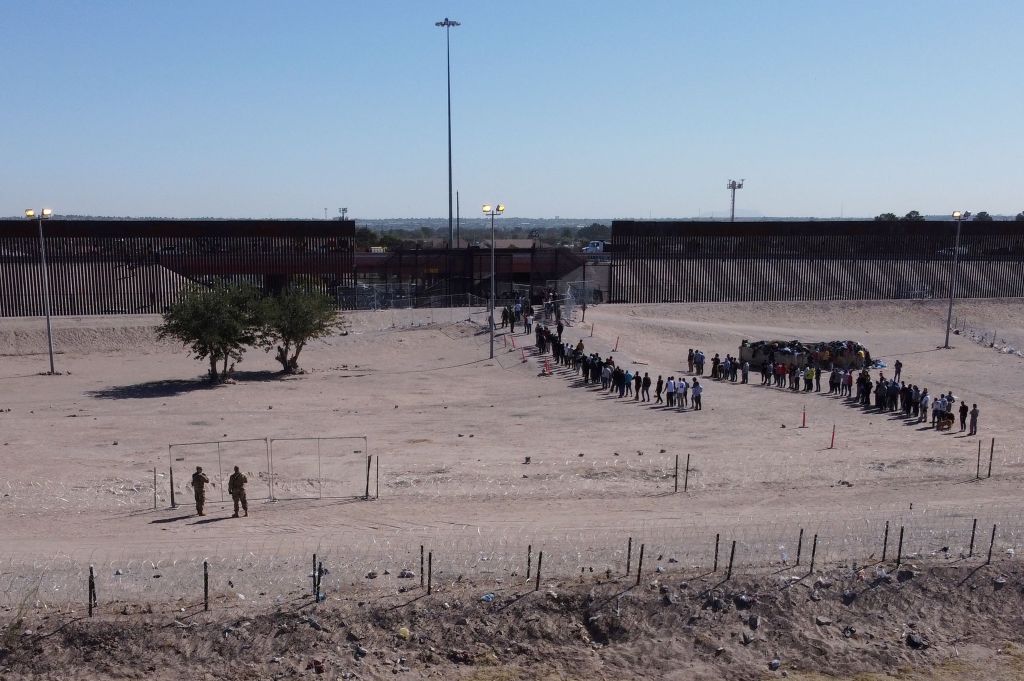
x=889, y=394
x=678, y=393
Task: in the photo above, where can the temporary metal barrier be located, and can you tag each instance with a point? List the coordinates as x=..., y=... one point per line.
x=323, y=468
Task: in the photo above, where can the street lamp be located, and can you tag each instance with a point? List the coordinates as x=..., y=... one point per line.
x=492, y=211
x=44, y=214
x=447, y=25
x=954, y=270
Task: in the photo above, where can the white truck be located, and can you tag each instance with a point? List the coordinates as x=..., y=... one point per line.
x=596, y=247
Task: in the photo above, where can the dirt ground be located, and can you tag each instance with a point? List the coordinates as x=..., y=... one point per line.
x=451, y=429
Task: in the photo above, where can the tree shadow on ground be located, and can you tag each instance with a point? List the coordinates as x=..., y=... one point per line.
x=172, y=387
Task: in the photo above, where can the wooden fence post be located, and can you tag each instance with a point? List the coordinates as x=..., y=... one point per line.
x=206, y=586
x=540, y=562
x=640, y=565
x=899, y=550
x=92, y=590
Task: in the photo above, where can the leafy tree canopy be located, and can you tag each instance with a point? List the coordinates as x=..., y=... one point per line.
x=595, y=231
x=886, y=217
x=983, y=216
x=216, y=324
x=291, y=319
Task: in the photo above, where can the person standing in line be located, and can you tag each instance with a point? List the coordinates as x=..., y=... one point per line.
x=627, y=382
x=199, y=483
x=689, y=360
x=657, y=390
x=746, y=372
x=898, y=366
x=938, y=409
x=697, y=391
x=559, y=328
x=646, y=385
x=963, y=416
x=817, y=379
x=670, y=392
x=236, y=487
x=926, y=401
x=638, y=383
x=681, y=389
x=974, y=420
x=529, y=323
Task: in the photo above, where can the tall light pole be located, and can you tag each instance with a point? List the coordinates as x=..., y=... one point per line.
x=732, y=186
x=44, y=214
x=954, y=270
x=492, y=211
x=447, y=25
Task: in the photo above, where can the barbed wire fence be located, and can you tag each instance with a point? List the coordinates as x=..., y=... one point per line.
x=503, y=558
x=989, y=338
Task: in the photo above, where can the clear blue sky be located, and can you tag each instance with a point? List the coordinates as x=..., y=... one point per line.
x=586, y=108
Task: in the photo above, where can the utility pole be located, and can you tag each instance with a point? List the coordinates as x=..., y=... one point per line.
x=447, y=25
x=732, y=187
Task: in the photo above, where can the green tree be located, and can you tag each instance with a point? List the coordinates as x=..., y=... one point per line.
x=886, y=217
x=913, y=216
x=595, y=231
x=1020, y=217
x=215, y=323
x=292, y=319
x=983, y=216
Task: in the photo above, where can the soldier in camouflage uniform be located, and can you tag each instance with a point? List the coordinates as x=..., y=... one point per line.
x=199, y=482
x=236, y=486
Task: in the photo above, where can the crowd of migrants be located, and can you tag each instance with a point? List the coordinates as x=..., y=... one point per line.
x=678, y=393
x=882, y=394
x=888, y=394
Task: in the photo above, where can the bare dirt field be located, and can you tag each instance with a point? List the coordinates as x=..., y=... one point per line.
x=449, y=430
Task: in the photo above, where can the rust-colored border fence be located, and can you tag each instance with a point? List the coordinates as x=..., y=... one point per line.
x=654, y=262
x=141, y=266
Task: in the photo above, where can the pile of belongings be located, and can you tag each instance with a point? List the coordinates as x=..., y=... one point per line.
x=843, y=353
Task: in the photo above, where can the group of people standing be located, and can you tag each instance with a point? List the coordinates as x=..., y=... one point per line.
x=677, y=393
x=236, y=487
x=883, y=394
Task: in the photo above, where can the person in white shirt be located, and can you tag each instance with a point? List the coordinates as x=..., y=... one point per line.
x=670, y=392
